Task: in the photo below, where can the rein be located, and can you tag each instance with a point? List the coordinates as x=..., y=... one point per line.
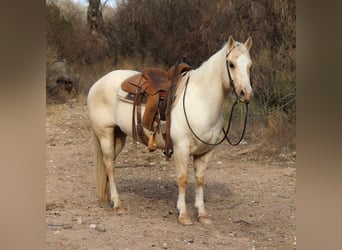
x=230, y=122
x=225, y=132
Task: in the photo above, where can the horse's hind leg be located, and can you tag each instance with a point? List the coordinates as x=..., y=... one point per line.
x=119, y=141
x=200, y=164
x=108, y=144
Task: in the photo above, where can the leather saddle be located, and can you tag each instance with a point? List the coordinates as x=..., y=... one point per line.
x=155, y=88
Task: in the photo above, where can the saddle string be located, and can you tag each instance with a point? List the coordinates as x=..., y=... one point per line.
x=225, y=132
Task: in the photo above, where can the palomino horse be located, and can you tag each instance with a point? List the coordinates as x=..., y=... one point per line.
x=207, y=89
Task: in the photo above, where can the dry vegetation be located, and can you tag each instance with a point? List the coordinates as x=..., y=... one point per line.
x=250, y=189
x=139, y=33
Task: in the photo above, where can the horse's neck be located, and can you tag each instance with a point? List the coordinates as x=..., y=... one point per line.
x=211, y=79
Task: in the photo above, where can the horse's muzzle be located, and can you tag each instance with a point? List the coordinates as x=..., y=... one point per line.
x=245, y=96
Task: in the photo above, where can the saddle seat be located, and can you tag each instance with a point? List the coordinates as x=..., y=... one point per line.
x=150, y=82
x=157, y=81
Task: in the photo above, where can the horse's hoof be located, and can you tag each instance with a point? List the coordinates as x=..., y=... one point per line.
x=184, y=220
x=205, y=219
x=119, y=210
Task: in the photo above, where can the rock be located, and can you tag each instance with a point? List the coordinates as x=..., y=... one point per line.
x=231, y=206
x=190, y=241
x=101, y=228
x=92, y=226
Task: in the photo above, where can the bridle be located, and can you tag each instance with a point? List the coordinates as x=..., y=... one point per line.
x=225, y=132
x=231, y=81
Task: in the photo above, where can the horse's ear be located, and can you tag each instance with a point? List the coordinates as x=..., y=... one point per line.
x=248, y=43
x=230, y=42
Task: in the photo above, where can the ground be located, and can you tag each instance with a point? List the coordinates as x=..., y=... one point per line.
x=250, y=199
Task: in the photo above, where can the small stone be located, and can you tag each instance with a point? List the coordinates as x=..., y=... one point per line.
x=231, y=206
x=79, y=220
x=92, y=226
x=101, y=229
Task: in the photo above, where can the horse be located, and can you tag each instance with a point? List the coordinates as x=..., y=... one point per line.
x=207, y=89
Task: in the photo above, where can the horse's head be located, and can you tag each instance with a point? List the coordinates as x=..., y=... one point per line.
x=238, y=66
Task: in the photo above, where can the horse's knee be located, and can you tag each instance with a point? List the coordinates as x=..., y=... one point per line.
x=108, y=160
x=182, y=181
x=200, y=180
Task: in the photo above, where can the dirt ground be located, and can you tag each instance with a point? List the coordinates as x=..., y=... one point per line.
x=251, y=199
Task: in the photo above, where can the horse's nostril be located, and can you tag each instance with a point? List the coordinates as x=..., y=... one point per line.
x=242, y=93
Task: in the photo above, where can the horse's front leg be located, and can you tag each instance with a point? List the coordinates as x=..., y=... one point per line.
x=200, y=164
x=181, y=156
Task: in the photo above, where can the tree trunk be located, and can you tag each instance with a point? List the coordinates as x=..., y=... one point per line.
x=95, y=18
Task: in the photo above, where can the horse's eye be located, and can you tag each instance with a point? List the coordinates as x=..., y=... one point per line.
x=231, y=65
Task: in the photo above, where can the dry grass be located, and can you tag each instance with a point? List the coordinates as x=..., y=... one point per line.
x=275, y=132
x=272, y=131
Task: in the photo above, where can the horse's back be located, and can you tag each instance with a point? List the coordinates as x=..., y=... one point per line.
x=102, y=98
x=108, y=83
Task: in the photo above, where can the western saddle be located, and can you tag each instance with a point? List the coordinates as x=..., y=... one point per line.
x=155, y=88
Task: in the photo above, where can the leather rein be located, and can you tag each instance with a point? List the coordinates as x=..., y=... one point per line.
x=225, y=132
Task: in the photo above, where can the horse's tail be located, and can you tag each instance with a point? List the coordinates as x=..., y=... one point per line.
x=101, y=175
